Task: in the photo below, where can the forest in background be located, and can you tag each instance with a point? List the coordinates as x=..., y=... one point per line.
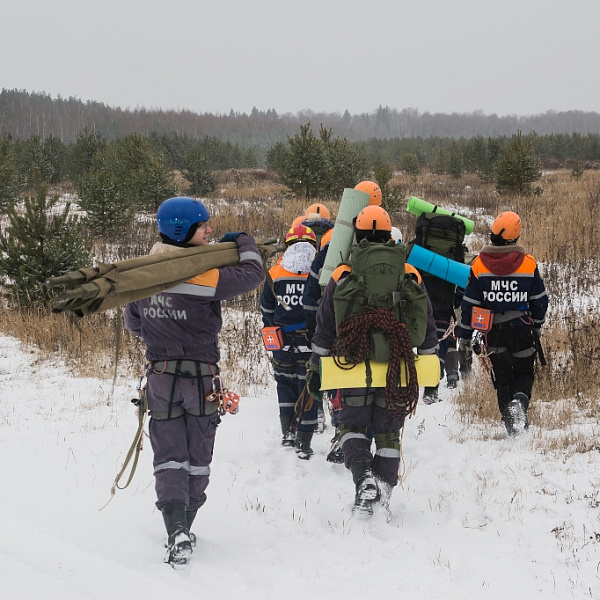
x=24, y=114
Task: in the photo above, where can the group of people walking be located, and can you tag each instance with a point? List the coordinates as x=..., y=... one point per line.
x=183, y=380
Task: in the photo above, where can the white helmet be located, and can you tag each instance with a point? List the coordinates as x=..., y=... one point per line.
x=396, y=235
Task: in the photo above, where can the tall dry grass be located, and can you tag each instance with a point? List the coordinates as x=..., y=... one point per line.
x=560, y=228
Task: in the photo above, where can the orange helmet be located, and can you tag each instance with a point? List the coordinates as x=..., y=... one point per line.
x=298, y=220
x=317, y=211
x=507, y=226
x=300, y=233
x=373, y=218
x=371, y=188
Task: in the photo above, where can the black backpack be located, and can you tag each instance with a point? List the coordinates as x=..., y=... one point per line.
x=442, y=234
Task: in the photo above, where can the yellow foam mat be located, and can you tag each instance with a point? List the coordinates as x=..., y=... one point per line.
x=334, y=377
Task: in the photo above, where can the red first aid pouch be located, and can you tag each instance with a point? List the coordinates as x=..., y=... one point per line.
x=272, y=338
x=481, y=319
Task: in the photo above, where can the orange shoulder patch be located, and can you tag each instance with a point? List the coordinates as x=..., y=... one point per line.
x=209, y=278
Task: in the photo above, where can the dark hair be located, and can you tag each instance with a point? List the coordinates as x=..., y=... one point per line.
x=184, y=242
x=498, y=240
x=379, y=236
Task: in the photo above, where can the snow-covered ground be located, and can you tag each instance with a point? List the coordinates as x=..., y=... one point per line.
x=472, y=519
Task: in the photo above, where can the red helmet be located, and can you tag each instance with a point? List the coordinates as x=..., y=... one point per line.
x=300, y=233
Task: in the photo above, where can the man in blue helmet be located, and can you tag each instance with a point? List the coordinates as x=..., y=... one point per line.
x=180, y=327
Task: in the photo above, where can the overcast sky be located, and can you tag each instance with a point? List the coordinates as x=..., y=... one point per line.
x=499, y=56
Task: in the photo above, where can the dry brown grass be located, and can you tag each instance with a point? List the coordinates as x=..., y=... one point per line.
x=561, y=230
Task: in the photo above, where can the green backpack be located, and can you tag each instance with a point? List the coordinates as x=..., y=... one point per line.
x=378, y=280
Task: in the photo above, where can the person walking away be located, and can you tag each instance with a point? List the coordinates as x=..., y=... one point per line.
x=318, y=217
x=312, y=297
x=281, y=306
x=374, y=476
x=444, y=235
x=180, y=328
x=505, y=280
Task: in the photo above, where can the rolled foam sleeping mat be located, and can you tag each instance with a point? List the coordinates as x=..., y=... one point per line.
x=334, y=377
x=439, y=266
x=416, y=206
x=353, y=201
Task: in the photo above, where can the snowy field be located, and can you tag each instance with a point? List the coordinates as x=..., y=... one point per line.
x=489, y=520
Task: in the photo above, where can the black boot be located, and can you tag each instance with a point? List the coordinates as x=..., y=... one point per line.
x=288, y=438
x=179, y=545
x=190, y=515
x=303, y=449
x=335, y=454
x=367, y=492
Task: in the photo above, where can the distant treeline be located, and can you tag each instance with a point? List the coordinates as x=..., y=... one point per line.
x=65, y=139
x=24, y=114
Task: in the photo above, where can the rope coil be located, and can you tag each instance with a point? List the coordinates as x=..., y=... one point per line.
x=354, y=345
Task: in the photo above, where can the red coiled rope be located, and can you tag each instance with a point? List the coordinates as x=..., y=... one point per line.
x=354, y=345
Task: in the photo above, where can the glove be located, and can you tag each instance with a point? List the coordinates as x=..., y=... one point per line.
x=464, y=345
x=231, y=236
x=313, y=383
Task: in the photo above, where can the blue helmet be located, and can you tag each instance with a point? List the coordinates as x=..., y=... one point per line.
x=176, y=216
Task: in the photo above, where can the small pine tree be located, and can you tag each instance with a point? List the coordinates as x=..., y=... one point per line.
x=104, y=195
x=9, y=181
x=440, y=164
x=383, y=173
x=518, y=166
x=409, y=163
x=303, y=170
x=345, y=164
x=198, y=172
x=455, y=163
x=577, y=170
x=37, y=244
x=124, y=177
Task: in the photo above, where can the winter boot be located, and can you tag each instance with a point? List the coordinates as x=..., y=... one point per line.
x=303, y=449
x=335, y=454
x=430, y=395
x=452, y=380
x=367, y=492
x=288, y=438
x=190, y=515
x=385, y=495
x=465, y=361
x=516, y=421
x=179, y=545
